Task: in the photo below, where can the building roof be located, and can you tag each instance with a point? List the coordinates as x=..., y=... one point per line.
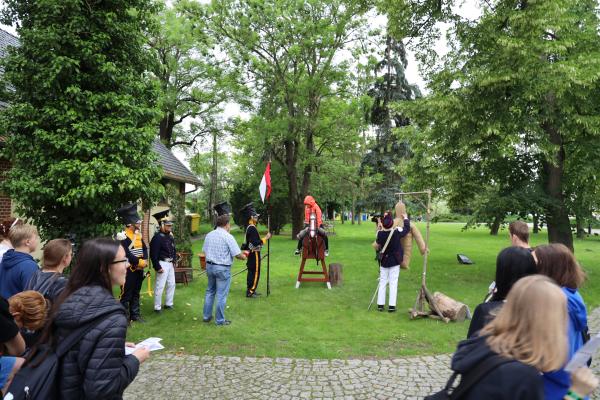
x=172, y=167
x=6, y=40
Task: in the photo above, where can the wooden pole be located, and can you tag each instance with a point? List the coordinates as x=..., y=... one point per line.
x=425, y=256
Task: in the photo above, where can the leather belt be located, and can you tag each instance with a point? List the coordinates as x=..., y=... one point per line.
x=166, y=259
x=214, y=263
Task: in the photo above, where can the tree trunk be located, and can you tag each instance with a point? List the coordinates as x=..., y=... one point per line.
x=353, y=208
x=295, y=198
x=495, y=227
x=336, y=276
x=450, y=308
x=213, y=177
x=536, y=223
x=579, y=227
x=165, y=129
x=557, y=216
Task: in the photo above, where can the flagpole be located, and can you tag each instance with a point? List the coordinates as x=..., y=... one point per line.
x=269, y=231
x=268, y=247
x=265, y=193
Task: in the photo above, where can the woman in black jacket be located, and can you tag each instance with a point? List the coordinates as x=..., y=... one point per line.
x=512, y=264
x=96, y=367
x=530, y=333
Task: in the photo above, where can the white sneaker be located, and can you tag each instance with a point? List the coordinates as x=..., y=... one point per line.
x=326, y=253
x=296, y=252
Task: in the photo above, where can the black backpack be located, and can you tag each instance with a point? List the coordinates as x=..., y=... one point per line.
x=38, y=378
x=469, y=379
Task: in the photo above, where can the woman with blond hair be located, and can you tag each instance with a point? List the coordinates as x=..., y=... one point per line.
x=50, y=281
x=558, y=262
x=520, y=343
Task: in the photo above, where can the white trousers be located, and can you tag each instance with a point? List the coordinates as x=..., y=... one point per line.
x=388, y=276
x=168, y=278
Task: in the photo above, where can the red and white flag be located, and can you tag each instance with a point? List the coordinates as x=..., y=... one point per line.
x=265, y=184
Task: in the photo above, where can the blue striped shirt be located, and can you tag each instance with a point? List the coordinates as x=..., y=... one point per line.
x=220, y=247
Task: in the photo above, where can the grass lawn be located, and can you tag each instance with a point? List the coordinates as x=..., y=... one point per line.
x=313, y=322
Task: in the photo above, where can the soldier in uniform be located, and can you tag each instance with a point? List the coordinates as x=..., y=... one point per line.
x=222, y=209
x=254, y=244
x=163, y=256
x=137, y=254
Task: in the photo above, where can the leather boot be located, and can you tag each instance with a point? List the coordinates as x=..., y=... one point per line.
x=135, y=310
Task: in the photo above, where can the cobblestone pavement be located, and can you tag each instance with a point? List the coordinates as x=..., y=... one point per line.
x=169, y=376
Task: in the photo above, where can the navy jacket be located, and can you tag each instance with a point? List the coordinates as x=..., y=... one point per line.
x=16, y=269
x=510, y=381
x=162, y=246
x=50, y=284
x=393, y=252
x=97, y=367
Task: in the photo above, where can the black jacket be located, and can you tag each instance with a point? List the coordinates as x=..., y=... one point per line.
x=253, y=239
x=484, y=313
x=97, y=367
x=510, y=381
x=162, y=246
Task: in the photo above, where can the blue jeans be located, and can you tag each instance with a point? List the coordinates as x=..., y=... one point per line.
x=219, y=280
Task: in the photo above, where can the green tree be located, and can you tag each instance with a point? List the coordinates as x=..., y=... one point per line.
x=181, y=228
x=195, y=79
x=214, y=168
x=524, y=77
x=294, y=53
x=387, y=151
x=81, y=119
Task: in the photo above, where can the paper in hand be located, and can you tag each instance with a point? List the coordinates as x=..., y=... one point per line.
x=151, y=344
x=582, y=356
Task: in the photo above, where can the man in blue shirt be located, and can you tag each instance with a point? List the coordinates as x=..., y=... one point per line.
x=220, y=247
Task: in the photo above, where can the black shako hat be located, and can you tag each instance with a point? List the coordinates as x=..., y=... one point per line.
x=162, y=218
x=222, y=208
x=128, y=214
x=248, y=211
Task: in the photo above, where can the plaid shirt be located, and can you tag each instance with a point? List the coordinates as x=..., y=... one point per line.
x=220, y=247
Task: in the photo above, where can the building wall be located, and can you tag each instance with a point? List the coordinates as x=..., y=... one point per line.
x=5, y=202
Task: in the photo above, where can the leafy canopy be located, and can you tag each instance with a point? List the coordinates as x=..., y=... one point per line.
x=82, y=118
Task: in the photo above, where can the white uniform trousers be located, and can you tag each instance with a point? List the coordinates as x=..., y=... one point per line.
x=168, y=278
x=388, y=276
